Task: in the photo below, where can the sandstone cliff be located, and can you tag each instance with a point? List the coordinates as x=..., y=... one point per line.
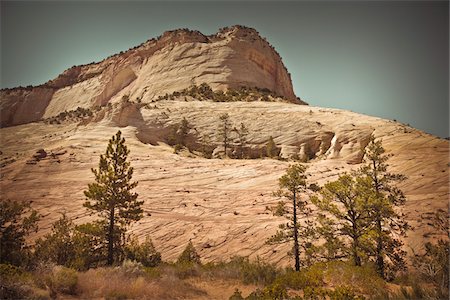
x=233, y=57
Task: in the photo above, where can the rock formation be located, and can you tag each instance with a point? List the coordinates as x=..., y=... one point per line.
x=219, y=204
x=233, y=57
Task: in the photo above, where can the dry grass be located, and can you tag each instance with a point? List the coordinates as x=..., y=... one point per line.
x=113, y=283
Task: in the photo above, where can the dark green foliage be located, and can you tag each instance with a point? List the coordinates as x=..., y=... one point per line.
x=271, y=148
x=17, y=221
x=241, y=268
x=346, y=201
x=388, y=223
x=225, y=131
x=280, y=210
x=237, y=295
x=206, y=147
x=242, y=139
x=433, y=265
x=144, y=253
x=178, y=134
x=204, y=92
x=58, y=246
x=111, y=195
x=72, y=115
x=189, y=255
x=14, y=282
x=91, y=246
x=292, y=184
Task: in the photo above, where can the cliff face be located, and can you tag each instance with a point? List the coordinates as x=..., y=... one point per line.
x=233, y=57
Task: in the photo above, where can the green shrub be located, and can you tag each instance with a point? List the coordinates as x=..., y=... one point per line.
x=189, y=255
x=15, y=283
x=237, y=295
x=343, y=293
x=177, y=148
x=275, y=291
x=64, y=280
x=144, y=253
x=310, y=277
x=256, y=272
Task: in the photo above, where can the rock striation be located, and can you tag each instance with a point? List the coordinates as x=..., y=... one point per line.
x=235, y=56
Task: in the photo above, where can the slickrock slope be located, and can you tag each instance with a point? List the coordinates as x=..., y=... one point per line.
x=220, y=204
x=234, y=57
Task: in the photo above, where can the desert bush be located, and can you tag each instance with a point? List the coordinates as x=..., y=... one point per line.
x=63, y=280
x=144, y=253
x=237, y=295
x=114, y=283
x=309, y=277
x=364, y=278
x=275, y=291
x=15, y=283
x=17, y=221
x=271, y=148
x=189, y=255
x=130, y=269
x=177, y=148
x=58, y=246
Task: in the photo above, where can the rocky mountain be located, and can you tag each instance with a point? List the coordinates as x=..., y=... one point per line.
x=233, y=57
x=219, y=204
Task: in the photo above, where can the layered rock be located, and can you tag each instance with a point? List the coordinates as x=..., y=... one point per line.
x=234, y=57
x=219, y=204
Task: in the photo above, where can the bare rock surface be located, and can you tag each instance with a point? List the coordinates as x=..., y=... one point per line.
x=220, y=204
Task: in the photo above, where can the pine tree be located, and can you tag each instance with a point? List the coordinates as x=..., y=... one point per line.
x=224, y=131
x=183, y=132
x=189, y=255
x=58, y=246
x=388, y=223
x=17, y=221
x=242, y=134
x=111, y=193
x=271, y=148
x=291, y=185
x=346, y=202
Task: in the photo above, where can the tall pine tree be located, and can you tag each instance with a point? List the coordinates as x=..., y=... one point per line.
x=292, y=184
x=388, y=222
x=111, y=195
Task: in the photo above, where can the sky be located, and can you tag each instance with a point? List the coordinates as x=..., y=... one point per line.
x=381, y=58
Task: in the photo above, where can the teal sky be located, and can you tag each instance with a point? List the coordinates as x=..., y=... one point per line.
x=386, y=59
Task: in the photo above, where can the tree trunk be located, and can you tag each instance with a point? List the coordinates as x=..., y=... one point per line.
x=296, y=248
x=356, y=258
x=111, y=237
x=379, y=253
x=379, y=250
x=355, y=244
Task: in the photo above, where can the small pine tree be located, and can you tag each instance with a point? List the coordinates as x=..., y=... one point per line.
x=144, y=253
x=291, y=185
x=242, y=134
x=189, y=255
x=111, y=193
x=206, y=147
x=224, y=131
x=58, y=246
x=271, y=148
x=17, y=221
x=183, y=132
